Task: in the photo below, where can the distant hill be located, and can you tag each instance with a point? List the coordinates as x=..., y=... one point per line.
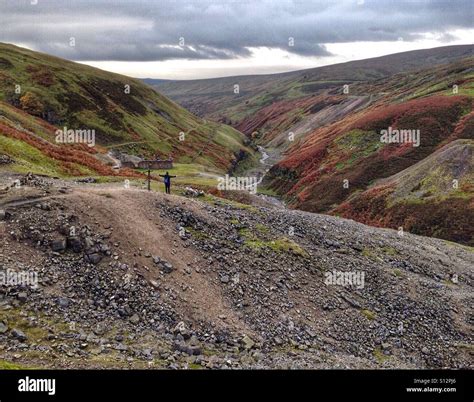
x=215, y=98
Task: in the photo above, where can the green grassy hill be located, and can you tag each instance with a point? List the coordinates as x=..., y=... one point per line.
x=40, y=93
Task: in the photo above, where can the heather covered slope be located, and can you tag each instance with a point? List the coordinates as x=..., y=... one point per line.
x=434, y=197
x=343, y=159
x=125, y=113
x=334, y=162
x=272, y=124
x=322, y=129
x=351, y=148
x=27, y=145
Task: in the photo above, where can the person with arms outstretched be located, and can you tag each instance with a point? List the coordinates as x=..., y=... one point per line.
x=167, y=180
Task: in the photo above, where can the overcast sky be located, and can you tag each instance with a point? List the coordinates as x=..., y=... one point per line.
x=183, y=39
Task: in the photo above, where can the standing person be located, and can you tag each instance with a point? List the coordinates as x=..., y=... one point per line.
x=167, y=180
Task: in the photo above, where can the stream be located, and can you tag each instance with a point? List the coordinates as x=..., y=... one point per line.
x=260, y=173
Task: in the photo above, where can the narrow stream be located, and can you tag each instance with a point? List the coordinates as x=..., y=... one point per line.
x=260, y=172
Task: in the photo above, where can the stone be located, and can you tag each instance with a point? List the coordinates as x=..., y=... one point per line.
x=93, y=258
x=181, y=329
x=191, y=350
x=121, y=347
x=3, y=327
x=89, y=243
x=22, y=296
x=182, y=233
x=135, y=319
x=351, y=301
x=63, y=302
x=74, y=242
x=99, y=329
x=247, y=342
x=225, y=279
x=18, y=334
x=6, y=159
x=310, y=333
x=87, y=180
x=167, y=267
x=58, y=244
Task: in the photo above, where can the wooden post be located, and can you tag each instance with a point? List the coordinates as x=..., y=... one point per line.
x=149, y=176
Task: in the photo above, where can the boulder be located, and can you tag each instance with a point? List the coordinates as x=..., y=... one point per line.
x=247, y=342
x=167, y=267
x=135, y=319
x=191, y=350
x=64, y=302
x=22, y=296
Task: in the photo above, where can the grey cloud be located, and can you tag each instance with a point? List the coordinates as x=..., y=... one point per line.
x=146, y=30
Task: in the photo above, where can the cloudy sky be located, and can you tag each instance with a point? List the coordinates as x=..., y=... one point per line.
x=183, y=39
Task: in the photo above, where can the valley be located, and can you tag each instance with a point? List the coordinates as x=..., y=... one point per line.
x=322, y=128
x=213, y=278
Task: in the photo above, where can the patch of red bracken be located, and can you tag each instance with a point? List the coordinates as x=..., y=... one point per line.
x=66, y=155
x=309, y=168
x=448, y=219
x=411, y=111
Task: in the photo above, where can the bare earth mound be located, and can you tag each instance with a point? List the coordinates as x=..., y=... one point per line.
x=129, y=278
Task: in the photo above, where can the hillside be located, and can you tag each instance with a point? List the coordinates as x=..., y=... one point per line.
x=125, y=114
x=215, y=98
x=146, y=280
x=129, y=278
x=319, y=134
x=312, y=172
x=433, y=197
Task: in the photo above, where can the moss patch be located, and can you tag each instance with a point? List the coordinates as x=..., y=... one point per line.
x=255, y=239
x=5, y=365
x=379, y=356
x=369, y=314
